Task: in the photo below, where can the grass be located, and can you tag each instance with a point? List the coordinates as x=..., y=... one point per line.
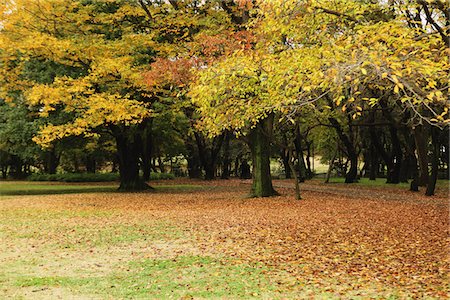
x=381, y=182
x=183, y=277
x=181, y=242
x=16, y=188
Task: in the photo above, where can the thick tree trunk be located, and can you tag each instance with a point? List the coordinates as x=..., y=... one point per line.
x=431, y=186
x=421, y=140
x=129, y=150
x=260, y=148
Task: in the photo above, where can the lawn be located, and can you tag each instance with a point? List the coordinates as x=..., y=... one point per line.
x=194, y=239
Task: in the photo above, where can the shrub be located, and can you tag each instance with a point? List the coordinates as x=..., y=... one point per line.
x=90, y=177
x=75, y=177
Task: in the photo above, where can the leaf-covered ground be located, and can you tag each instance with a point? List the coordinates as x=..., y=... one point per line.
x=207, y=240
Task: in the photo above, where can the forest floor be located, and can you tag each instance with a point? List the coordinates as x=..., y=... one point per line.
x=195, y=239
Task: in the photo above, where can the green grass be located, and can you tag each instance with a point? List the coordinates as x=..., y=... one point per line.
x=17, y=188
x=381, y=182
x=184, y=276
x=81, y=229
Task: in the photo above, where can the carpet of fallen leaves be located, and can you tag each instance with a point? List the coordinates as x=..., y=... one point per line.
x=339, y=239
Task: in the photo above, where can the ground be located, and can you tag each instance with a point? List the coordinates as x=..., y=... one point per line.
x=194, y=239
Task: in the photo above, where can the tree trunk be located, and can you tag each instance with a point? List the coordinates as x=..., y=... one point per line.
x=90, y=163
x=421, y=139
x=330, y=168
x=285, y=158
x=309, y=172
x=414, y=186
x=208, y=155
x=431, y=186
x=193, y=160
x=260, y=149
x=300, y=158
x=396, y=157
x=147, y=151
x=51, y=161
x=129, y=149
x=352, y=173
x=374, y=162
x=226, y=162
x=297, y=184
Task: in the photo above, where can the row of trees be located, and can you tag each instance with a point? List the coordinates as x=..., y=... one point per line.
x=134, y=81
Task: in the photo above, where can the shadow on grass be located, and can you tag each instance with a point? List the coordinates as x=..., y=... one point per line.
x=23, y=189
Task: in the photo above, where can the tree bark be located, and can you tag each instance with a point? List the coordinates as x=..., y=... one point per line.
x=300, y=158
x=129, y=149
x=374, y=162
x=51, y=161
x=209, y=154
x=421, y=140
x=431, y=186
x=147, y=150
x=330, y=168
x=260, y=149
x=352, y=173
x=226, y=162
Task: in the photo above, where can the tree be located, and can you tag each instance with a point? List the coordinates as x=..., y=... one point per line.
x=103, y=41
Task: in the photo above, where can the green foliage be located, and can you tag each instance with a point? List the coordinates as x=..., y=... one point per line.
x=91, y=177
x=75, y=177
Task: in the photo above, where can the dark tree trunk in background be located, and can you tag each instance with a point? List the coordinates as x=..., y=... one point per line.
x=421, y=139
x=414, y=186
x=90, y=163
x=51, y=161
x=129, y=147
x=374, y=162
x=330, y=167
x=259, y=141
x=299, y=150
x=226, y=161
x=352, y=155
x=285, y=155
x=209, y=154
x=285, y=159
x=193, y=159
x=396, y=157
x=435, y=141
x=147, y=150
